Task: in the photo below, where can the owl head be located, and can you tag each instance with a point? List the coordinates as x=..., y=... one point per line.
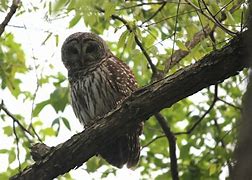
x=83, y=50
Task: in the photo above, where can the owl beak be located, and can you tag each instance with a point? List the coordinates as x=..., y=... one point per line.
x=83, y=54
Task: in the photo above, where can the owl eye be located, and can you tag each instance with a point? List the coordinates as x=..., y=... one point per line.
x=73, y=50
x=92, y=47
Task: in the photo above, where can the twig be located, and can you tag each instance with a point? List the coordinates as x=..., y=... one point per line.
x=17, y=142
x=153, y=140
x=230, y=168
x=142, y=4
x=166, y=18
x=224, y=7
x=34, y=97
x=8, y=17
x=211, y=17
x=172, y=145
x=153, y=15
x=2, y=107
x=197, y=38
x=174, y=38
x=230, y=104
x=203, y=116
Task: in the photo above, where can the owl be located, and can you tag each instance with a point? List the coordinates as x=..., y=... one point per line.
x=99, y=81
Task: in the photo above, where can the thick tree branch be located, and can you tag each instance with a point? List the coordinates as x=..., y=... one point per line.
x=8, y=17
x=212, y=69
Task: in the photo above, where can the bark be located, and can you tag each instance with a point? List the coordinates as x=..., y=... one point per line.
x=243, y=165
x=214, y=68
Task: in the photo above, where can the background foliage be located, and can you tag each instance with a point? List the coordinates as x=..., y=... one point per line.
x=164, y=29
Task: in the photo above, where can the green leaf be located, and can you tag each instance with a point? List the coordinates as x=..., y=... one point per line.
x=4, y=175
x=39, y=107
x=4, y=4
x=130, y=41
x=122, y=39
x=230, y=18
x=74, y=21
x=12, y=156
x=212, y=169
x=181, y=45
x=161, y=177
x=66, y=123
x=59, y=4
x=8, y=130
x=3, y=151
x=48, y=132
x=37, y=123
x=56, y=122
x=109, y=10
x=59, y=98
x=93, y=163
x=56, y=40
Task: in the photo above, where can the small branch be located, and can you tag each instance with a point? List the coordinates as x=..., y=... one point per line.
x=172, y=145
x=8, y=17
x=211, y=17
x=179, y=54
x=174, y=39
x=34, y=98
x=170, y=17
x=230, y=168
x=2, y=107
x=203, y=116
x=142, y=4
x=17, y=142
x=230, y=104
x=153, y=15
x=153, y=140
x=153, y=67
x=224, y=7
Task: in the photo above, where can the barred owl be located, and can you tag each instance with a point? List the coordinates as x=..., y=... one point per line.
x=99, y=82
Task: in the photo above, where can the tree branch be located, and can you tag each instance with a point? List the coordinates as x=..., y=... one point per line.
x=212, y=69
x=203, y=116
x=156, y=12
x=25, y=131
x=179, y=54
x=8, y=17
x=211, y=18
x=172, y=145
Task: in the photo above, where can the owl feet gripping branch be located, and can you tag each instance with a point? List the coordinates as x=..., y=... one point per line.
x=99, y=82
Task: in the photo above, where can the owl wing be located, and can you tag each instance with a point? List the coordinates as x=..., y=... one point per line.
x=122, y=76
x=126, y=149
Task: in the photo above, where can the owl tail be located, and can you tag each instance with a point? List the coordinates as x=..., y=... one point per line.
x=124, y=150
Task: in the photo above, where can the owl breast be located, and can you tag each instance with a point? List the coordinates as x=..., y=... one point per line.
x=94, y=94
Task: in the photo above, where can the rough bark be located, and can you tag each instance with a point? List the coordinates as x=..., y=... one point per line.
x=243, y=165
x=143, y=103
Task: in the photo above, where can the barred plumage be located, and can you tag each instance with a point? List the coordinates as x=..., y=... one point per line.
x=99, y=82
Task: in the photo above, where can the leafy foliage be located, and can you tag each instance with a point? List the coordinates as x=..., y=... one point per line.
x=165, y=30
